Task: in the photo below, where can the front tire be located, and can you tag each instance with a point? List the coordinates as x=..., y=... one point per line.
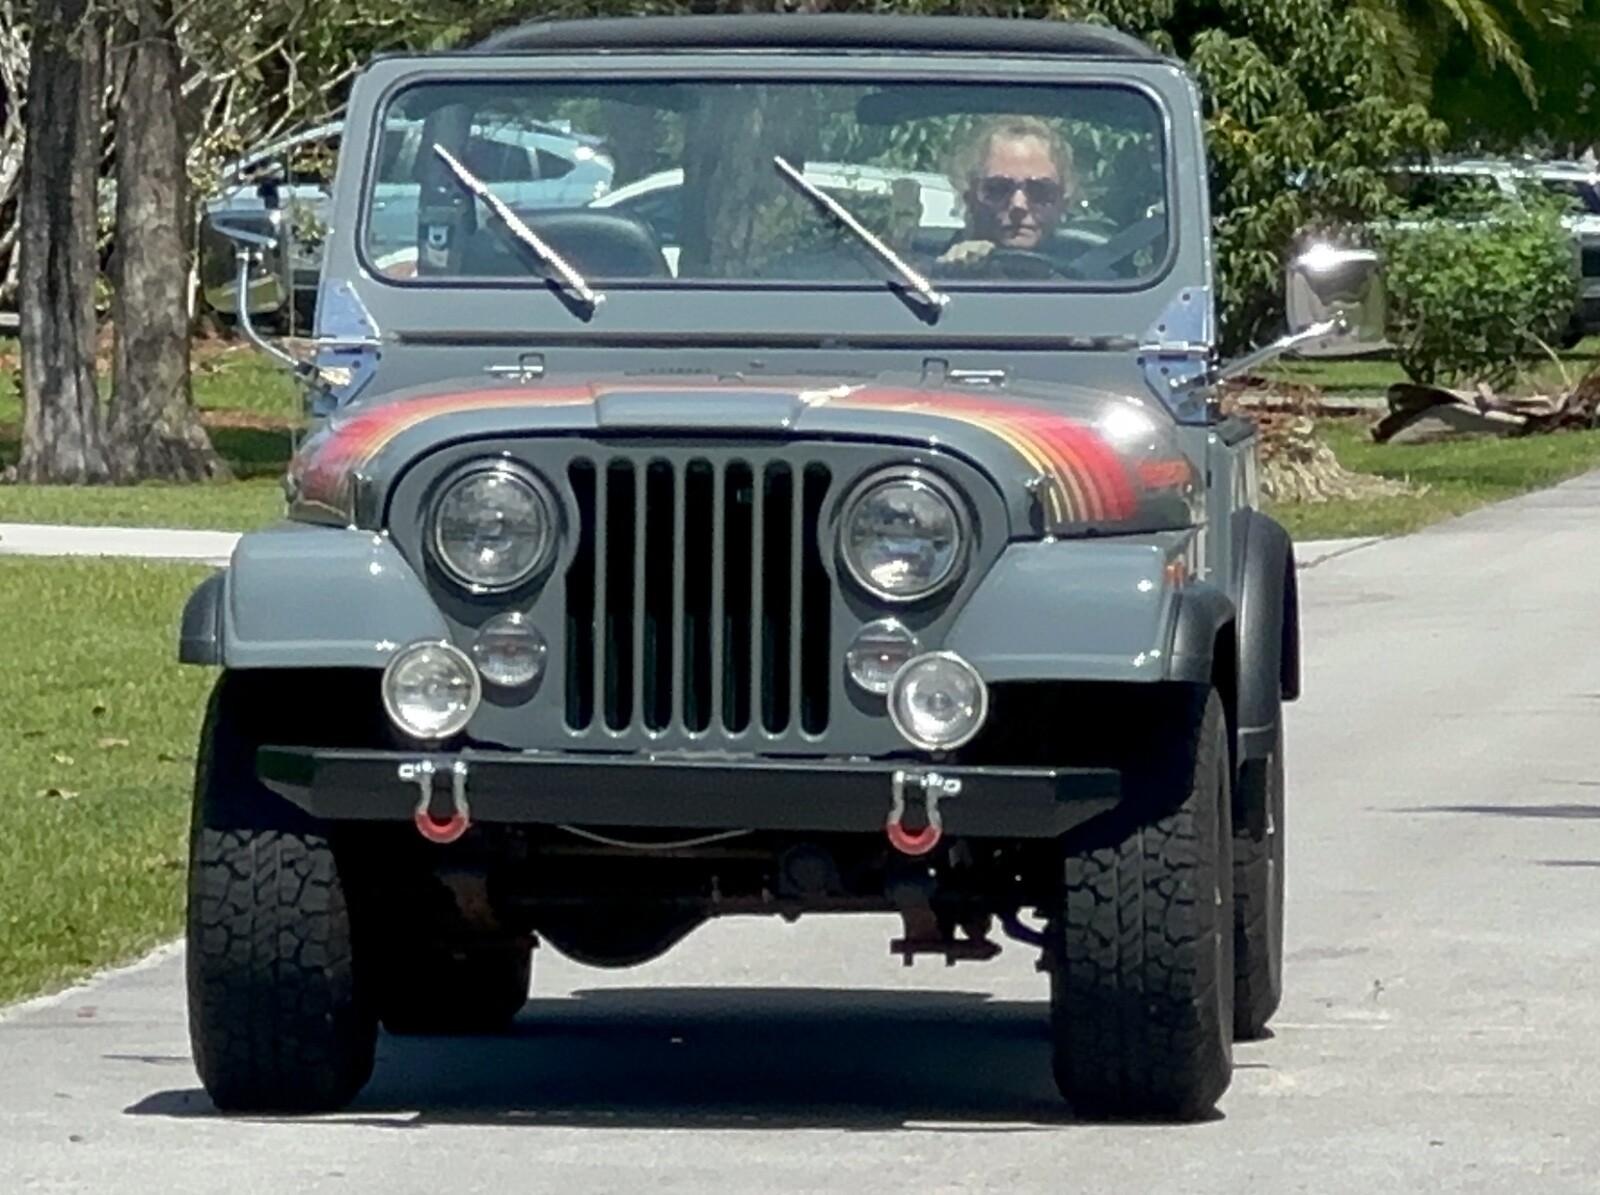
x=277, y=1018
x=1140, y=949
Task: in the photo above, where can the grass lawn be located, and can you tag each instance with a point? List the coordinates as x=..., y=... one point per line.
x=246, y=401
x=236, y=506
x=1374, y=375
x=1460, y=475
x=97, y=764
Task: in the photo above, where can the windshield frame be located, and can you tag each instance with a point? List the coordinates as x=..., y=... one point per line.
x=793, y=68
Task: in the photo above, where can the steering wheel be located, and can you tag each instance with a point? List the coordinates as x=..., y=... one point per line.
x=1023, y=264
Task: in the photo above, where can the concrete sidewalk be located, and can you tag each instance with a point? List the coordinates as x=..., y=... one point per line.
x=143, y=543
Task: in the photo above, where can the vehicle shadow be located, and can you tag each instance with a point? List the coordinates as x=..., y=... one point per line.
x=740, y=1058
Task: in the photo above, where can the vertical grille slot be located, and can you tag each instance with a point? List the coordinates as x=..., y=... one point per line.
x=658, y=515
x=617, y=517
x=777, y=577
x=702, y=537
x=814, y=629
x=581, y=592
x=739, y=587
x=698, y=598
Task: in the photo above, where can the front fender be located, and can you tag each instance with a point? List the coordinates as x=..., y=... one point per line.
x=301, y=596
x=1092, y=610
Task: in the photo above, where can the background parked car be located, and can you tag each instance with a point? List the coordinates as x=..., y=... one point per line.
x=526, y=163
x=1440, y=186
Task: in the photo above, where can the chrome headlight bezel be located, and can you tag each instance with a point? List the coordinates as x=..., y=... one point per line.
x=469, y=676
x=538, y=489
x=930, y=482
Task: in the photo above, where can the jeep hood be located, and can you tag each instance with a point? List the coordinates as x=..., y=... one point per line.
x=1067, y=460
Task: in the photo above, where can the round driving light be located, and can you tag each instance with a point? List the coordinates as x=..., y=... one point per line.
x=938, y=701
x=901, y=538
x=879, y=650
x=493, y=527
x=431, y=690
x=510, y=652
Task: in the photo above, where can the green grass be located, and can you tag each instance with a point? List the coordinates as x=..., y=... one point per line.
x=1461, y=475
x=235, y=506
x=97, y=764
x=1374, y=375
x=248, y=402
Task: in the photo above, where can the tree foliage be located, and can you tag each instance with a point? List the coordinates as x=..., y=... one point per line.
x=1477, y=293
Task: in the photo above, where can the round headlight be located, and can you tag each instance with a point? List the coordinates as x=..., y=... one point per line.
x=510, y=651
x=901, y=538
x=878, y=651
x=938, y=701
x=493, y=527
x=431, y=690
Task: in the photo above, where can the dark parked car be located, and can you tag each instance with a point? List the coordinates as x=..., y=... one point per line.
x=852, y=563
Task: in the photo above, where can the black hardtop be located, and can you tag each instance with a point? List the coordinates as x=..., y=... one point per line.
x=819, y=32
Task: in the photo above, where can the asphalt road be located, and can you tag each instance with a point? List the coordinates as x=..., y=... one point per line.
x=1441, y=1030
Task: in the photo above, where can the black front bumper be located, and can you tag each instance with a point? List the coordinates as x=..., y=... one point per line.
x=811, y=796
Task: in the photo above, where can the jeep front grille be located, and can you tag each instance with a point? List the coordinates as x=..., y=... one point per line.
x=1591, y=261
x=697, y=599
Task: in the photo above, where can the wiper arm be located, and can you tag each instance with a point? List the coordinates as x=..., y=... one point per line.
x=570, y=278
x=920, y=286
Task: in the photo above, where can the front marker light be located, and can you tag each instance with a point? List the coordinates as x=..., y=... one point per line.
x=431, y=690
x=510, y=652
x=938, y=701
x=878, y=651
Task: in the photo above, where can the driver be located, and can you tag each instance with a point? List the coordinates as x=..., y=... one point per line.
x=1016, y=179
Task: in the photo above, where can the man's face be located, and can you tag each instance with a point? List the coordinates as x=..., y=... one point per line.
x=1015, y=201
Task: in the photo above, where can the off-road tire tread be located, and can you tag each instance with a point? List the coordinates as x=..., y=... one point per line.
x=1134, y=982
x=277, y=1021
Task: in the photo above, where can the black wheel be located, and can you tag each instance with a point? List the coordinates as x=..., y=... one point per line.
x=467, y=991
x=1258, y=894
x=1140, y=947
x=277, y=1018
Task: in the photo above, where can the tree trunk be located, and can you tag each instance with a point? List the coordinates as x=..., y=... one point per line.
x=61, y=439
x=155, y=429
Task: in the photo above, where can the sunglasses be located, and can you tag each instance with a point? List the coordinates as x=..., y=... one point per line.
x=996, y=190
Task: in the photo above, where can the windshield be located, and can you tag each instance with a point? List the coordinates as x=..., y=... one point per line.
x=676, y=183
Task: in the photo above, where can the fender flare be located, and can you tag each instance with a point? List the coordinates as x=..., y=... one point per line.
x=200, y=636
x=1269, y=631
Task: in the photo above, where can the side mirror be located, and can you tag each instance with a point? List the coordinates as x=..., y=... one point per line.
x=258, y=236
x=261, y=278
x=1328, y=284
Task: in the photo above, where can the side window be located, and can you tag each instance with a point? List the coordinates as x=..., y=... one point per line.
x=552, y=165
x=499, y=161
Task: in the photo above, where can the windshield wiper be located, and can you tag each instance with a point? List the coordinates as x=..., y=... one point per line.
x=570, y=278
x=923, y=289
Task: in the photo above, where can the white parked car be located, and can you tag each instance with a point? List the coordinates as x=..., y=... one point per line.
x=1433, y=184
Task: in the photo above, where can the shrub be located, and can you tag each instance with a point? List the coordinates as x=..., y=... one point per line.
x=1478, y=292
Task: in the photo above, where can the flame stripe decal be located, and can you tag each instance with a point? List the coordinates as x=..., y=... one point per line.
x=1091, y=484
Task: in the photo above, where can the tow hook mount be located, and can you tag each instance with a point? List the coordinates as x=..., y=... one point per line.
x=454, y=825
x=932, y=787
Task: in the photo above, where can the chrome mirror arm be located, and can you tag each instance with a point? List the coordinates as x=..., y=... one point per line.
x=250, y=246
x=1337, y=326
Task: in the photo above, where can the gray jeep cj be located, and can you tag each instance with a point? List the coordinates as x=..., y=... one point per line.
x=838, y=520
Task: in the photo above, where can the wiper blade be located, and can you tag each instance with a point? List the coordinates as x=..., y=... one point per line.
x=570, y=278
x=934, y=300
